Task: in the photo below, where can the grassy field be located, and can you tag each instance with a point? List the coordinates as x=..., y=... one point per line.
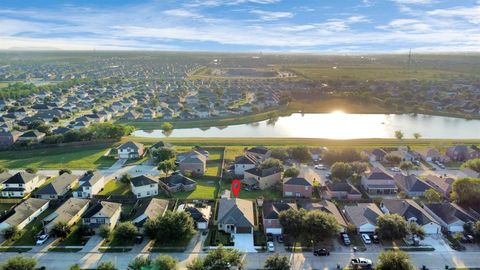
x=86, y=157
x=5, y=206
x=115, y=187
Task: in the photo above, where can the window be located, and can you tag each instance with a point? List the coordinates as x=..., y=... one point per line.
x=86, y=220
x=148, y=193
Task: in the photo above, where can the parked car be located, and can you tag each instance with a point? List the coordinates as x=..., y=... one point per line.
x=321, y=252
x=467, y=239
x=42, y=239
x=269, y=237
x=329, y=176
x=270, y=246
x=361, y=262
x=395, y=169
x=366, y=239
x=345, y=239
x=320, y=167
x=416, y=162
x=139, y=239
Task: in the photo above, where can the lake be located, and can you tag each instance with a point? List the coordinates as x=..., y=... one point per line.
x=338, y=125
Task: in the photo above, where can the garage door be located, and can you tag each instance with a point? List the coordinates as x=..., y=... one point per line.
x=276, y=231
x=244, y=230
x=456, y=228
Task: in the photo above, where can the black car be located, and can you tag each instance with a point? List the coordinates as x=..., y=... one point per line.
x=280, y=239
x=321, y=252
x=375, y=239
x=269, y=237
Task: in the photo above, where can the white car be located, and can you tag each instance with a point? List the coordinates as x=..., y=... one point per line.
x=395, y=169
x=320, y=167
x=361, y=262
x=366, y=238
x=270, y=246
x=42, y=239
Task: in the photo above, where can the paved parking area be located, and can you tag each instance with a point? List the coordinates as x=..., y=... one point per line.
x=244, y=242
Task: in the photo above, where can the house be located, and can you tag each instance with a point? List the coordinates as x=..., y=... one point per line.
x=70, y=212
x=411, y=185
x=58, y=188
x=101, y=213
x=328, y=207
x=130, y=149
x=259, y=153
x=443, y=185
x=24, y=213
x=144, y=186
x=376, y=154
x=199, y=213
x=316, y=153
x=243, y=163
x=342, y=190
x=8, y=138
x=21, y=183
x=91, y=183
x=377, y=182
x=178, y=182
x=235, y=216
x=449, y=215
x=430, y=154
x=263, y=178
x=34, y=136
x=149, y=209
x=192, y=162
x=412, y=212
x=298, y=187
x=270, y=215
x=462, y=153
x=363, y=216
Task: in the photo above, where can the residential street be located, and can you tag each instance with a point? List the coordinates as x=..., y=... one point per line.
x=433, y=260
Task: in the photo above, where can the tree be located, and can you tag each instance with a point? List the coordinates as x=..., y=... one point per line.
x=220, y=258
x=341, y=171
x=466, y=191
x=407, y=166
x=75, y=267
x=473, y=164
x=271, y=163
x=415, y=229
x=107, y=265
x=358, y=167
x=62, y=171
x=126, y=178
x=166, y=166
x=291, y=172
x=432, y=196
x=196, y=264
x=171, y=227
x=19, y=262
x=393, y=159
x=397, y=260
x=279, y=153
x=392, y=227
x=61, y=229
x=291, y=221
x=300, y=153
x=165, y=262
x=126, y=231
x=139, y=263
x=346, y=155
x=105, y=231
x=398, y=134
x=277, y=262
x=31, y=170
x=417, y=135
x=163, y=153
x=319, y=225
x=166, y=126
x=11, y=232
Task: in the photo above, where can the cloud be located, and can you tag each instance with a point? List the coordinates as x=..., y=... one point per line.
x=414, y=2
x=471, y=14
x=182, y=13
x=271, y=15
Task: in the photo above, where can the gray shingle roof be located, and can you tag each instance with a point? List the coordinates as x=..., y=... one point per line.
x=363, y=213
x=143, y=180
x=24, y=210
x=236, y=211
x=59, y=185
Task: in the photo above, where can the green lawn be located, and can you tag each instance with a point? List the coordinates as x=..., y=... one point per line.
x=115, y=187
x=73, y=239
x=87, y=157
x=254, y=194
x=30, y=231
x=206, y=189
x=5, y=206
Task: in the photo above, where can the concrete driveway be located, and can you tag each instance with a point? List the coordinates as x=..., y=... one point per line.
x=244, y=242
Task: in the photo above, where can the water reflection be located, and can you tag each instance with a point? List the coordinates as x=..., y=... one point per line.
x=338, y=125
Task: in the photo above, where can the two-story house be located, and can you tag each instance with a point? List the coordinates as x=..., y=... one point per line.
x=21, y=183
x=144, y=186
x=102, y=213
x=377, y=182
x=91, y=183
x=262, y=178
x=130, y=149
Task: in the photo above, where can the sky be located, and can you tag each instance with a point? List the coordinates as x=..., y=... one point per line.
x=311, y=26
